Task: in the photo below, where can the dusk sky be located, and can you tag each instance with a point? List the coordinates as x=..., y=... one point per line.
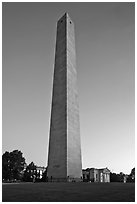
x=105, y=41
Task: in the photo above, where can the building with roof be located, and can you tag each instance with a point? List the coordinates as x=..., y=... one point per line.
x=96, y=175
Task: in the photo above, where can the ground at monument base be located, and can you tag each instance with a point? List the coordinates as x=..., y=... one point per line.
x=69, y=192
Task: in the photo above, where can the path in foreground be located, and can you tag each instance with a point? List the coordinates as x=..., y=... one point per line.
x=71, y=192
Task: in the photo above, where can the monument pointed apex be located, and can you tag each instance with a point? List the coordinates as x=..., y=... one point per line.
x=64, y=16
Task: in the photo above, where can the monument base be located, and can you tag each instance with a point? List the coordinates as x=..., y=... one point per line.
x=65, y=179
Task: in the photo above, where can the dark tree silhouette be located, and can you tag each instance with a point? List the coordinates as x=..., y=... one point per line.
x=12, y=165
x=131, y=177
x=133, y=173
x=113, y=177
x=117, y=177
x=30, y=172
x=6, y=174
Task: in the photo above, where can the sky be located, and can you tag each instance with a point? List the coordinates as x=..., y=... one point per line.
x=104, y=34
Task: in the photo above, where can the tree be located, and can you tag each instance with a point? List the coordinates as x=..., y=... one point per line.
x=113, y=177
x=131, y=177
x=12, y=165
x=133, y=173
x=117, y=177
x=121, y=177
x=6, y=166
x=30, y=172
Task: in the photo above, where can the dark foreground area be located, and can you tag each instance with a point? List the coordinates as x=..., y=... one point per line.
x=70, y=192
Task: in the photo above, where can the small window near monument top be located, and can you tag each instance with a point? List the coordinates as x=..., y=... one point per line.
x=70, y=22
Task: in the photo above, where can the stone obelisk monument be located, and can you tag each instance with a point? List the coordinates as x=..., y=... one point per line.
x=64, y=158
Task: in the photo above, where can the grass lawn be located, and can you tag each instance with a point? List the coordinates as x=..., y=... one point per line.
x=71, y=192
